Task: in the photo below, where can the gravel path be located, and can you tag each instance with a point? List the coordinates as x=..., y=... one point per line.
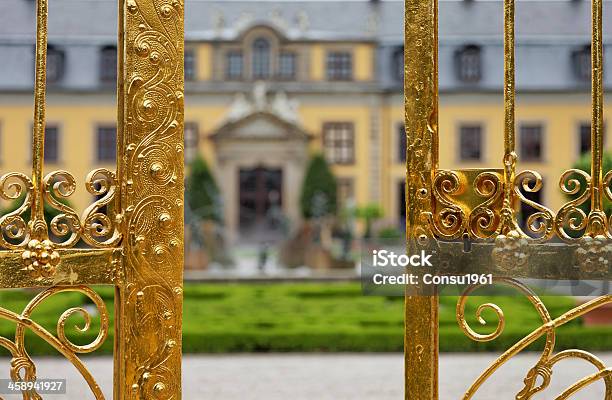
x=326, y=376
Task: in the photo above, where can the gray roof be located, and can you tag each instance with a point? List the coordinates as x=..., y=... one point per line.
x=547, y=33
x=213, y=19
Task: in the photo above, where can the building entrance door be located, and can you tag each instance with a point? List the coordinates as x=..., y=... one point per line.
x=260, y=201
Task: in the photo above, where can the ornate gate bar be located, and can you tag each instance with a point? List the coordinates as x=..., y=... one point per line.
x=134, y=228
x=150, y=171
x=480, y=231
x=421, y=120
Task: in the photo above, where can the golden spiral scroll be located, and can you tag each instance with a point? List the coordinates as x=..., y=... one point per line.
x=539, y=225
x=22, y=366
x=539, y=376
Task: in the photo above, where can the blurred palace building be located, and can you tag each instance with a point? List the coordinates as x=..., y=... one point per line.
x=270, y=82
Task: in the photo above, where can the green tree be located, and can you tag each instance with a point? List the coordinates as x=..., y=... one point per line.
x=202, y=192
x=369, y=213
x=318, y=197
x=584, y=164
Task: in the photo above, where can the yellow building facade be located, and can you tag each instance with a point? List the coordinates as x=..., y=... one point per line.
x=267, y=89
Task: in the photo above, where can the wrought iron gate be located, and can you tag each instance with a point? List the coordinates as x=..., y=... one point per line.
x=133, y=232
x=582, y=240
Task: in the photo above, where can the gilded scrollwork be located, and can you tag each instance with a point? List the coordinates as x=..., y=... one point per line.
x=448, y=220
x=100, y=227
x=456, y=215
x=484, y=221
x=18, y=188
x=465, y=203
x=22, y=365
x=538, y=377
x=571, y=220
x=540, y=225
x=61, y=185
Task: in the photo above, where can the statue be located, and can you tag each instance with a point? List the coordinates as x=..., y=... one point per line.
x=260, y=95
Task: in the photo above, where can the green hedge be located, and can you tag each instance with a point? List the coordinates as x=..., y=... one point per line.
x=222, y=318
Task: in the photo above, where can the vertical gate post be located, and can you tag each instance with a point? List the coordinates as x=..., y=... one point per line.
x=421, y=113
x=148, y=310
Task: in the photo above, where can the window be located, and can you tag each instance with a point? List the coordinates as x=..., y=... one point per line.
x=51, y=143
x=108, y=64
x=287, y=65
x=339, y=66
x=192, y=139
x=531, y=142
x=470, y=142
x=106, y=143
x=346, y=191
x=402, y=143
x=397, y=66
x=234, y=65
x=261, y=58
x=581, y=63
x=339, y=142
x=55, y=64
x=190, y=67
x=468, y=64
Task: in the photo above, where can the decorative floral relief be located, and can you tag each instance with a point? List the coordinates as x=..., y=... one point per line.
x=511, y=251
x=594, y=254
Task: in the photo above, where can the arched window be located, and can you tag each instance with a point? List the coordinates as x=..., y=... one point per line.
x=261, y=58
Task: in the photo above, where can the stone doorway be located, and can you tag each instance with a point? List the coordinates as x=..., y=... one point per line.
x=261, y=153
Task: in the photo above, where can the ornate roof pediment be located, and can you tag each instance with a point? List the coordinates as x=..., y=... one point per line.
x=260, y=125
x=256, y=117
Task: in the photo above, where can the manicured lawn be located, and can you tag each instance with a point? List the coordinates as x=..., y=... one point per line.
x=313, y=317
